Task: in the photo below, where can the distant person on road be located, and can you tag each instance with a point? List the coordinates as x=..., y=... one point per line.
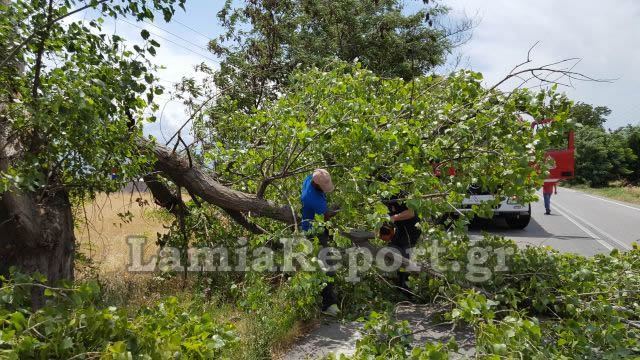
x=314, y=202
x=548, y=189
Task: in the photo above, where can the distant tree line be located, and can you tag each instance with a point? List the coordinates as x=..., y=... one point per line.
x=604, y=155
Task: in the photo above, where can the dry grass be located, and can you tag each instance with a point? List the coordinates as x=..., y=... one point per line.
x=101, y=230
x=630, y=194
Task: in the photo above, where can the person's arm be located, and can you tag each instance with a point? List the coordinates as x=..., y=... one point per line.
x=555, y=188
x=321, y=207
x=405, y=215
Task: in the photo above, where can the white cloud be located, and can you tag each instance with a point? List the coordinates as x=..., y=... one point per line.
x=606, y=35
x=179, y=56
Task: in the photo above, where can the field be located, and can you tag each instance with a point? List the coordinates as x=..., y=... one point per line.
x=105, y=223
x=101, y=231
x=101, y=236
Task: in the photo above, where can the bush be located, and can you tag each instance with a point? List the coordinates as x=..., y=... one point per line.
x=72, y=325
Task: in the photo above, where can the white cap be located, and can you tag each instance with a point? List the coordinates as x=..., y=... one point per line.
x=323, y=179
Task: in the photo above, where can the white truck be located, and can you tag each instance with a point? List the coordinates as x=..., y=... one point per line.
x=515, y=214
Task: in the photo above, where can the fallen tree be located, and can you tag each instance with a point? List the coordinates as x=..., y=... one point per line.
x=72, y=125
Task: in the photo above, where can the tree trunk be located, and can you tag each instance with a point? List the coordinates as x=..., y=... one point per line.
x=47, y=248
x=36, y=232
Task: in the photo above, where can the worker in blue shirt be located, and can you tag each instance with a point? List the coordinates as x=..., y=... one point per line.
x=314, y=202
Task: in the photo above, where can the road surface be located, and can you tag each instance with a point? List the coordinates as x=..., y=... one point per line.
x=580, y=223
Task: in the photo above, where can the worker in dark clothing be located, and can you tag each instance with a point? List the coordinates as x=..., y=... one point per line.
x=314, y=202
x=405, y=233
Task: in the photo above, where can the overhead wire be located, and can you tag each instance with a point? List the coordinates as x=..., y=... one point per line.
x=173, y=42
x=192, y=29
x=177, y=36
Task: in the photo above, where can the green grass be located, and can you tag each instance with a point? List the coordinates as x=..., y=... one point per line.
x=629, y=194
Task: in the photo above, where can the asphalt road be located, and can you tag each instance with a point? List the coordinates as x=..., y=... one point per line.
x=579, y=223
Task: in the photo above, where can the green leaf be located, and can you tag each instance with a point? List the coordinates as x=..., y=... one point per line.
x=67, y=343
x=145, y=34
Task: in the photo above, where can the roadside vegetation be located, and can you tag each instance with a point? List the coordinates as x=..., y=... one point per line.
x=607, y=161
x=605, y=157
x=615, y=191
x=345, y=85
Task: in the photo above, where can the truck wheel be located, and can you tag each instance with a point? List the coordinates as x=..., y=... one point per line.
x=520, y=221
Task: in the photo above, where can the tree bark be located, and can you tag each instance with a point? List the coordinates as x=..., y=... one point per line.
x=164, y=198
x=36, y=235
x=200, y=183
x=46, y=247
x=36, y=231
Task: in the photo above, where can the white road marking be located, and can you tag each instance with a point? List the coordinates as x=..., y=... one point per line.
x=586, y=231
x=607, y=235
x=613, y=202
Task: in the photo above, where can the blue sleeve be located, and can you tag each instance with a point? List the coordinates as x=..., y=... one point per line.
x=319, y=206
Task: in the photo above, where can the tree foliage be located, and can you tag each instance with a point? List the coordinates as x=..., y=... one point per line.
x=589, y=115
x=602, y=155
x=631, y=136
x=77, y=107
x=266, y=40
x=358, y=124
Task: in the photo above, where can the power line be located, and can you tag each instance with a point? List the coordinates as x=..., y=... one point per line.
x=173, y=42
x=177, y=36
x=192, y=29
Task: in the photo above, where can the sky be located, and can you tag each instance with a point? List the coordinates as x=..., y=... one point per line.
x=605, y=35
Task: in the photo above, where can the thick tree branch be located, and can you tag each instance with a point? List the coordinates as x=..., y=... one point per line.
x=165, y=198
x=162, y=195
x=200, y=183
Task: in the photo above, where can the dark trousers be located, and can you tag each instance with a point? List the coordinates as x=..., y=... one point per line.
x=328, y=293
x=403, y=242
x=547, y=201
